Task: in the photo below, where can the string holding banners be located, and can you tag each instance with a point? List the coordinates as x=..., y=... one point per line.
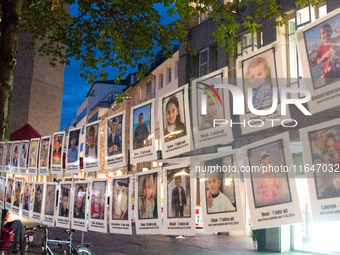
x=57, y=153
x=49, y=202
x=37, y=202
x=23, y=153
x=319, y=50
x=73, y=150
x=26, y=200
x=142, y=133
x=120, y=205
x=2, y=192
x=210, y=105
x=8, y=161
x=179, y=201
x=270, y=183
x=92, y=147
x=15, y=157
x=221, y=193
x=44, y=155
x=9, y=193
x=115, y=141
x=64, y=207
x=79, y=206
x=98, y=198
x=16, y=200
x=321, y=152
x=148, y=202
x=33, y=157
x=2, y=156
x=174, y=122
x=261, y=84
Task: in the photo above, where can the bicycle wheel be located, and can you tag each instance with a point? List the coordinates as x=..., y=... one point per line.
x=84, y=251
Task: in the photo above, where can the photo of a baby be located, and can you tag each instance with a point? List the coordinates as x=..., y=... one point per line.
x=259, y=74
x=178, y=185
x=270, y=187
x=323, y=49
x=220, y=188
x=173, y=116
x=120, y=194
x=325, y=150
x=98, y=207
x=147, y=196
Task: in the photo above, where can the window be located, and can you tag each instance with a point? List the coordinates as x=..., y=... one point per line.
x=169, y=75
x=160, y=81
x=82, y=115
x=148, y=88
x=207, y=61
x=300, y=18
x=176, y=70
x=204, y=15
x=249, y=42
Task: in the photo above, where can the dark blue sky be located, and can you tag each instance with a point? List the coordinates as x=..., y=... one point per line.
x=76, y=88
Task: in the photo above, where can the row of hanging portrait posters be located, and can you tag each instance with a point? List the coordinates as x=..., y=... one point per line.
x=210, y=101
x=269, y=181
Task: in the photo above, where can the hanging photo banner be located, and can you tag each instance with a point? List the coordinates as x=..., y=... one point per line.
x=16, y=201
x=98, y=199
x=179, y=201
x=15, y=157
x=115, y=141
x=142, y=133
x=174, y=122
x=63, y=209
x=120, y=205
x=33, y=157
x=321, y=152
x=2, y=156
x=208, y=104
x=26, y=200
x=260, y=75
x=57, y=153
x=148, y=214
x=9, y=193
x=23, y=152
x=49, y=202
x=79, y=206
x=318, y=44
x=73, y=149
x=92, y=147
x=2, y=192
x=37, y=201
x=270, y=183
x=221, y=193
x=44, y=155
x=8, y=161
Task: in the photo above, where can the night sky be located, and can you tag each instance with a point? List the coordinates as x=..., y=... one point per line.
x=75, y=88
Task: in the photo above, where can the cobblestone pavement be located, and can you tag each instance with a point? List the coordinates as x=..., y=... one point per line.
x=113, y=244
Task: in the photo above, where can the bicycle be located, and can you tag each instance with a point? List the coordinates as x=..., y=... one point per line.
x=81, y=249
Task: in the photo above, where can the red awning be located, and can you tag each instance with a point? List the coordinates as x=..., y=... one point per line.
x=27, y=132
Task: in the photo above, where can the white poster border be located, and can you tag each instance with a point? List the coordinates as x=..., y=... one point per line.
x=116, y=160
x=79, y=224
x=91, y=165
x=213, y=135
x=58, y=168
x=33, y=170
x=182, y=144
x=73, y=167
x=36, y=216
x=278, y=214
x=23, y=169
x=224, y=221
x=63, y=221
x=44, y=170
x=135, y=154
x=121, y=226
x=99, y=225
x=148, y=226
x=15, y=169
x=16, y=209
x=49, y=219
x=185, y=225
x=27, y=213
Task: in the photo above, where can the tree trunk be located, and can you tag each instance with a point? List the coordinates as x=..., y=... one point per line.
x=9, y=29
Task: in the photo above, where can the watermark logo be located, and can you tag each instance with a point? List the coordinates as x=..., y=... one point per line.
x=204, y=97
